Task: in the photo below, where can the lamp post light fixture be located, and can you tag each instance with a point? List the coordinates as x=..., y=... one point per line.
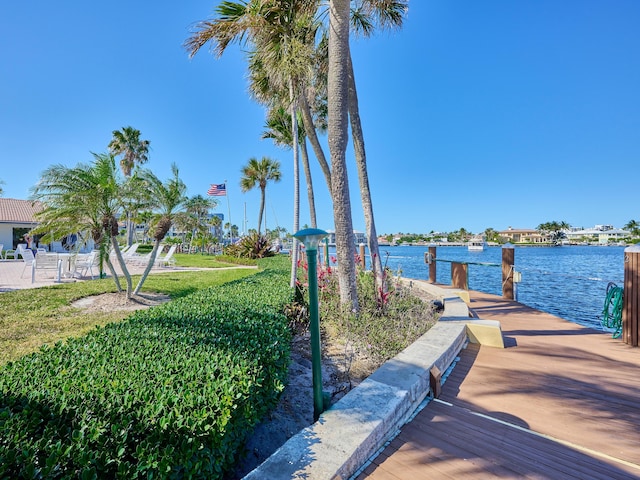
x=311, y=237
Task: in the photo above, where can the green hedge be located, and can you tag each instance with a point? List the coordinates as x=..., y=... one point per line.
x=172, y=392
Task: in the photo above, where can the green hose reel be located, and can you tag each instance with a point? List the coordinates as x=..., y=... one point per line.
x=612, y=311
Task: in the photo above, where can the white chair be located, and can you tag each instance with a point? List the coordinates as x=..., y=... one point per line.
x=84, y=264
x=1, y=249
x=18, y=251
x=131, y=251
x=167, y=259
x=48, y=262
x=28, y=258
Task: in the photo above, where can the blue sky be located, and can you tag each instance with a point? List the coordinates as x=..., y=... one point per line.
x=476, y=114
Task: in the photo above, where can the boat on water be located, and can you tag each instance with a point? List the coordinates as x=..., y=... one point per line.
x=476, y=244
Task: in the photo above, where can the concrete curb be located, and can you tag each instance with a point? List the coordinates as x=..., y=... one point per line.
x=349, y=432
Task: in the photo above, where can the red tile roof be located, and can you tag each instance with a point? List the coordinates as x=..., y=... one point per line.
x=18, y=211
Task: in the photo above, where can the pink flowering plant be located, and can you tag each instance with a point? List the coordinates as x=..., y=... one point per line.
x=389, y=320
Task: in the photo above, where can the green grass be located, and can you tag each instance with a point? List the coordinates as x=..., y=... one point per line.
x=34, y=317
x=201, y=260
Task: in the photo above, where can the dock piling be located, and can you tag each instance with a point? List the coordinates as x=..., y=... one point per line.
x=432, y=264
x=631, y=301
x=508, y=259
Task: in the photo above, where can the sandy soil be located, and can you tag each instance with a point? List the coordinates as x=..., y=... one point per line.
x=118, y=301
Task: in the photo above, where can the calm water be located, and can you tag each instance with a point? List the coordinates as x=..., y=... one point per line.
x=568, y=281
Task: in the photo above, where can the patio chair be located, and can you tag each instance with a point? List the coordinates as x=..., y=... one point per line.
x=27, y=257
x=84, y=264
x=131, y=251
x=167, y=259
x=140, y=260
x=48, y=262
x=18, y=251
x=1, y=249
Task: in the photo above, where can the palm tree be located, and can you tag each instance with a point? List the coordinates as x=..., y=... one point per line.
x=169, y=202
x=84, y=198
x=143, y=218
x=126, y=142
x=216, y=223
x=259, y=172
x=282, y=34
x=338, y=114
x=491, y=235
x=634, y=227
x=554, y=229
x=197, y=215
x=365, y=15
x=133, y=151
x=1, y=190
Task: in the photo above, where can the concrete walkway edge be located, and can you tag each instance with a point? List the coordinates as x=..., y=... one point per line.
x=359, y=424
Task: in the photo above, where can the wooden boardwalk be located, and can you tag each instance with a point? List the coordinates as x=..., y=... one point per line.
x=561, y=401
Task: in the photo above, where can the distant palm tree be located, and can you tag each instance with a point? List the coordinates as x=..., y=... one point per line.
x=126, y=142
x=197, y=208
x=1, y=190
x=259, y=172
x=216, y=223
x=634, y=227
x=133, y=151
x=491, y=235
x=554, y=229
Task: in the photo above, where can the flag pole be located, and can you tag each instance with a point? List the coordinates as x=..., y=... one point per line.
x=229, y=211
x=244, y=223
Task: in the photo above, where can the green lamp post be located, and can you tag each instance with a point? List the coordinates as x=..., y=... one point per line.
x=311, y=237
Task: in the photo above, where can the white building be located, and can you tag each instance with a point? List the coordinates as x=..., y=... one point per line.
x=17, y=218
x=602, y=234
x=360, y=237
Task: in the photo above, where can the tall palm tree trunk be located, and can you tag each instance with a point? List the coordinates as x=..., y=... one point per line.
x=304, y=155
x=261, y=211
x=312, y=135
x=338, y=94
x=296, y=186
x=365, y=191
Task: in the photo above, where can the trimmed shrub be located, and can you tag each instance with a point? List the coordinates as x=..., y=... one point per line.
x=172, y=392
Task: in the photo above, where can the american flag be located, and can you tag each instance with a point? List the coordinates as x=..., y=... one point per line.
x=219, y=190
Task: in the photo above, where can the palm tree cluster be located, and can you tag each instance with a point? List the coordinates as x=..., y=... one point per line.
x=91, y=198
x=300, y=68
x=554, y=229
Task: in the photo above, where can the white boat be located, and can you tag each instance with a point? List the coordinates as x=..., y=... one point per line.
x=476, y=244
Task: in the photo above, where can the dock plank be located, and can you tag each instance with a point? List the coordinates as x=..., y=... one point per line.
x=575, y=389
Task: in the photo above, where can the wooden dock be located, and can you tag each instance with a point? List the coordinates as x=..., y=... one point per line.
x=561, y=401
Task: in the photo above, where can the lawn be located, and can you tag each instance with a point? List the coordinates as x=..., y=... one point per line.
x=34, y=317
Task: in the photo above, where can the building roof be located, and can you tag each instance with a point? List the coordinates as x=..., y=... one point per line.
x=18, y=211
x=597, y=231
x=518, y=230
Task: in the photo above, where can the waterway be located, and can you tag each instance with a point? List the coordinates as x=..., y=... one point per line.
x=567, y=281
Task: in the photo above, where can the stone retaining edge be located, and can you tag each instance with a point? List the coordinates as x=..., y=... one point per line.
x=350, y=431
